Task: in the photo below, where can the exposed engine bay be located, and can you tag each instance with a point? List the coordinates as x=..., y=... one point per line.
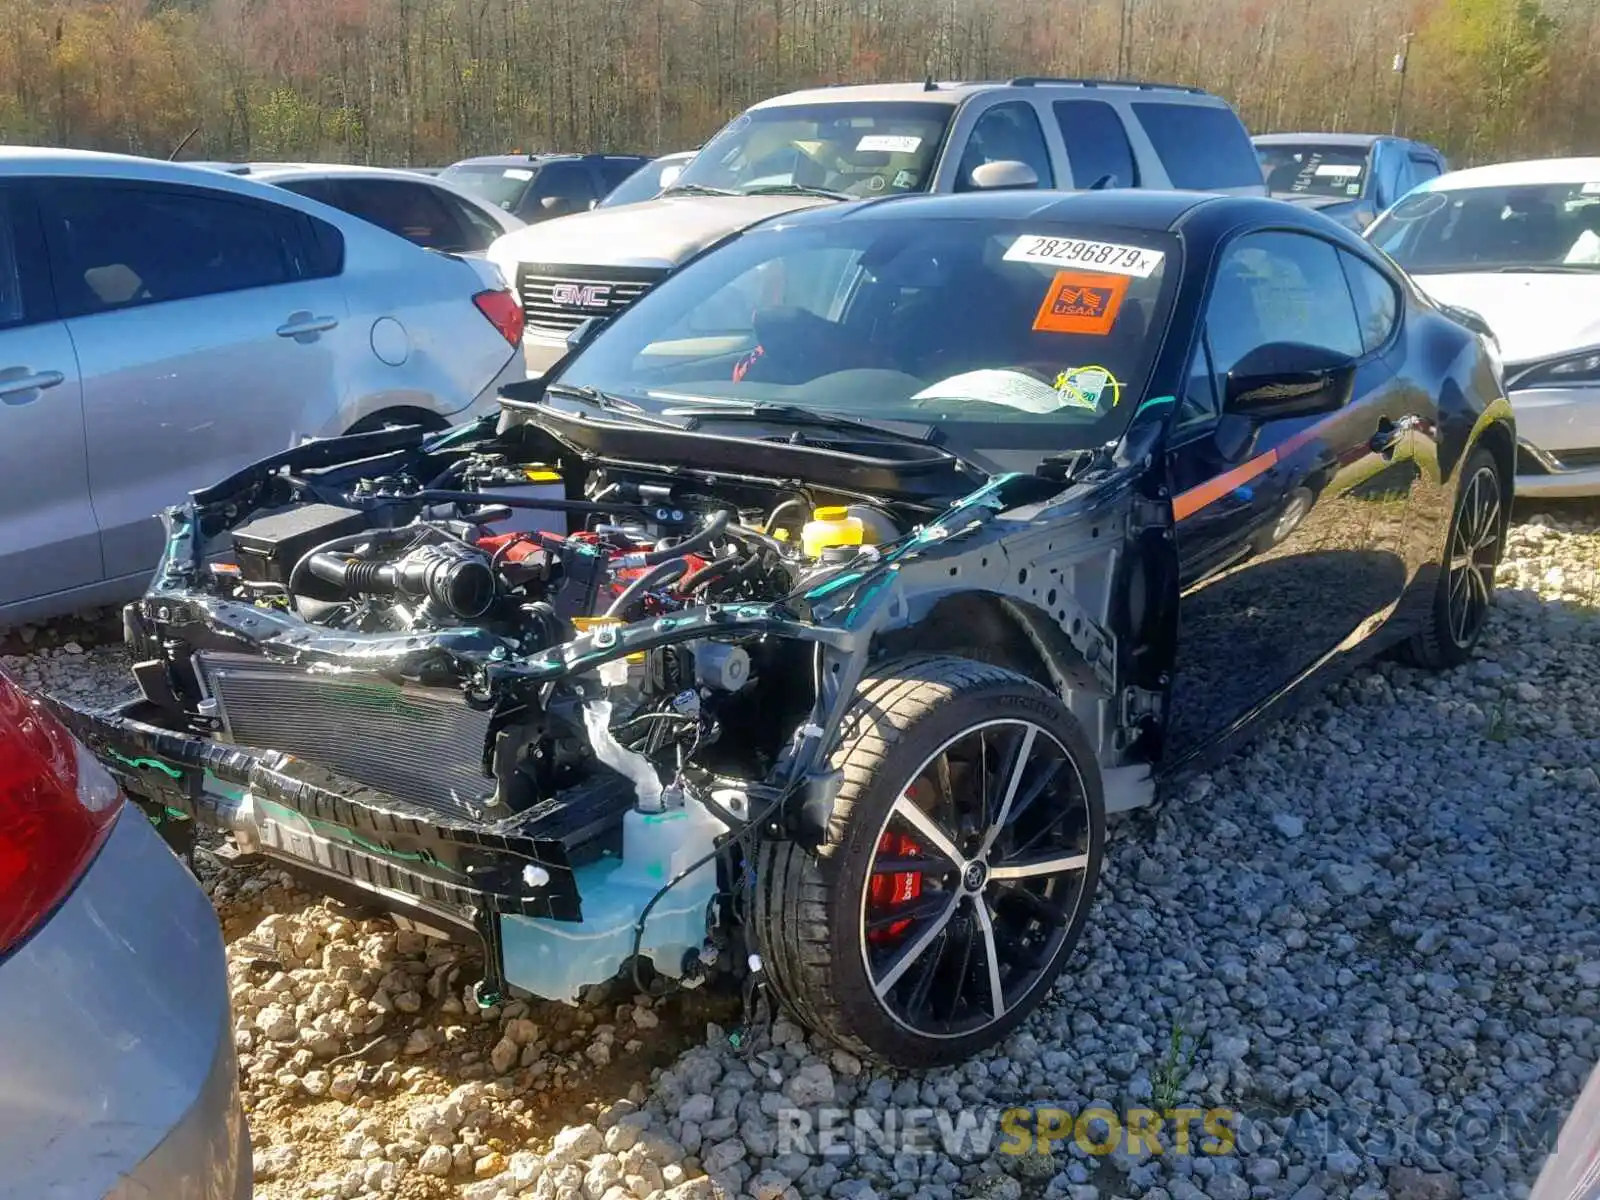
x=507, y=685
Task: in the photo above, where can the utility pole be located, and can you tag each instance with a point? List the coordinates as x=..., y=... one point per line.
x=1400, y=61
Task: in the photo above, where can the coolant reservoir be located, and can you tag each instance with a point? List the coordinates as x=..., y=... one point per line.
x=555, y=959
x=831, y=525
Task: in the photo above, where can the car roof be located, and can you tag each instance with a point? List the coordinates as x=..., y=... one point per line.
x=1534, y=170
x=44, y=160
x=522, y=160
x=1133, y=208
x=1358, y=140
x=953, y=92
x=274, y=171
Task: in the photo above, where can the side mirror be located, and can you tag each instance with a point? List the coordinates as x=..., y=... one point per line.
x=1003, y=174
x=1288, y=380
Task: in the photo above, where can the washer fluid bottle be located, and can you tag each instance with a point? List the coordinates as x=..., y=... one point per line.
x=831, y=525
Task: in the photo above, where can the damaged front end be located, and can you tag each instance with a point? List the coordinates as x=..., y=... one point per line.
x=500, y=685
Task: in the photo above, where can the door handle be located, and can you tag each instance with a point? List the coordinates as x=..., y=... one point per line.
x=37, y=381
x=302, y=324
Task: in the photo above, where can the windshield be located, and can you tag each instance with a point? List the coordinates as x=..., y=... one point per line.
x=500, y=185
x=994, y=329
x=859, y=148
x=1526, y=227
x=643, y=184
x=1312, y=170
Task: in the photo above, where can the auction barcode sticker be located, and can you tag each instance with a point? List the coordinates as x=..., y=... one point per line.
x=1093, y=256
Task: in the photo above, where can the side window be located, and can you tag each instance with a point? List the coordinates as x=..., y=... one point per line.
x=411, y=210
x=1423, y=169
x=480, y=230
x=325, y=191
x=560, y=188
x=1279, y=287
x=1377, y=302
x=1006, y=133
x=613, y=172
x=1097, y=144
x=1202, y=146
x=117, y=245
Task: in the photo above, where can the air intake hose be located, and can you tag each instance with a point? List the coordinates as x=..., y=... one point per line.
x=456, y=578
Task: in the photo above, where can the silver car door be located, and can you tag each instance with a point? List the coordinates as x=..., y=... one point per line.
x=49, y=541
x=205, y=337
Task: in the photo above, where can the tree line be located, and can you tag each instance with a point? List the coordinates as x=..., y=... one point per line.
x=424, y=82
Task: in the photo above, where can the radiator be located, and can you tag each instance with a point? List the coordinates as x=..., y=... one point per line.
x=420, y=744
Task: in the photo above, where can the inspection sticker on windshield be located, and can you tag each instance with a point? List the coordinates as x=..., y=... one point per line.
x=1591, y=189
x=889, y=143
x=518, y=173
x=1081, y=302
x=1094, y=256
x=1085, y=387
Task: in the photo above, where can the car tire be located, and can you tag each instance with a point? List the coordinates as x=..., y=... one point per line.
x=843, y=958
x=1460, y=605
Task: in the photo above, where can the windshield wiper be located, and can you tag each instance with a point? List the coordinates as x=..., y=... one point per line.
x=794, y=414
x=605, y=400
x=797, y=189
x=698, y=189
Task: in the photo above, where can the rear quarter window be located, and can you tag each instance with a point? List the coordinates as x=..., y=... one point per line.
x=1202, y=146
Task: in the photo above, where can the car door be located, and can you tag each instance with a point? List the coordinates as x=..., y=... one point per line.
x=204, y=335
x=1005, y=132
x=49, y=541
x=1290, y=530
x=560, y=188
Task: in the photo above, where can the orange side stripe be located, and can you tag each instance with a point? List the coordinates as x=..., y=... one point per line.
x=1186, y=504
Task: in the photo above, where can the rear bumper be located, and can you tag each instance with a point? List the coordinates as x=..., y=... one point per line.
x=116, y=1044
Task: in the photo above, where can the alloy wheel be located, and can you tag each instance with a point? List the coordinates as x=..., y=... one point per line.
x=1474, y=553
x=976, y=879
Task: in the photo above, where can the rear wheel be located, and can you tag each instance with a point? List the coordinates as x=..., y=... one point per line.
x=957, y=871
x=1473, y=548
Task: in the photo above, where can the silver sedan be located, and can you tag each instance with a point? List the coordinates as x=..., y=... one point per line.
x=117, y=1068
x=163, y=325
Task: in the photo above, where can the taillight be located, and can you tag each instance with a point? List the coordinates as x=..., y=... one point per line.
x=57, y=805
x=504, y=313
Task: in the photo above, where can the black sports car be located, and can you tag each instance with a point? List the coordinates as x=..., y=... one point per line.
x=812, y=615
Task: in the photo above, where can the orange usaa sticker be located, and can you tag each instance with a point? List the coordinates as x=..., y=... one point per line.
x=1081, y=302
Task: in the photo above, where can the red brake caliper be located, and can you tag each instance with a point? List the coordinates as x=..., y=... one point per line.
x=892, y=891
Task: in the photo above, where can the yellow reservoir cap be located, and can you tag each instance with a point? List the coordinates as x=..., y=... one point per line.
x=830, y=525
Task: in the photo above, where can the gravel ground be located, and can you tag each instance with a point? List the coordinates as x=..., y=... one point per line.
x=1373, y=937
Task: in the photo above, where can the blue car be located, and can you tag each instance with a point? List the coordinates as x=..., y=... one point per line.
x=1351, y=177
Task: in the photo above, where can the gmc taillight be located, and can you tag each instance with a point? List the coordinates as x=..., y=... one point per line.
x=57, y=805
x=503, y=312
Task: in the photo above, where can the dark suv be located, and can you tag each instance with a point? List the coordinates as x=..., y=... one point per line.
x=536, y=187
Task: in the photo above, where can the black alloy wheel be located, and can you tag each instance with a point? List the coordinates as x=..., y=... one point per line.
x=958, y=870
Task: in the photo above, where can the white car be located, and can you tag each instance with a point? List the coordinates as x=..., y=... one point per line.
x=163, y=325
x=1519, y=244
x=426, y=211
